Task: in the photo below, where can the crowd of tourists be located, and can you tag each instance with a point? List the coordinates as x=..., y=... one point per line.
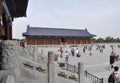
x=77, y=52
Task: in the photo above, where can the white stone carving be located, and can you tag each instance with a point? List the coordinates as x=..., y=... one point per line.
x=10, y=79
x=9, y=55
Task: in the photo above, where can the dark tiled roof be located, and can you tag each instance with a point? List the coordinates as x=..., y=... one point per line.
x=43, y=31
x=17, y=8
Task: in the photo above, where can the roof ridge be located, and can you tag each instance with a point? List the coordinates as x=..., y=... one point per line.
x=55, y=28
x=47, y=31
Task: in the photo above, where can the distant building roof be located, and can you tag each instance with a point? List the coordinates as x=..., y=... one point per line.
x=43, y=31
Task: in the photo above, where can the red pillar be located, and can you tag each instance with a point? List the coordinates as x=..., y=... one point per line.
x=44, y=40
x=9, y=30
x=35, y=42
x=26, y=40
x=0, y=17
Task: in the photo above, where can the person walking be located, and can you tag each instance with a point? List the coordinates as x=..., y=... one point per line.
x=66, y=57
x=69, y=51
x=78, y=53
x=84, y=49
x=58, y=56
x=112, y=59
x=72, y=51
x=114, y=76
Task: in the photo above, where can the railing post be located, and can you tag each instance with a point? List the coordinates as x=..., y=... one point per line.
x=80, y=72
x=67, y=66
x=86, y=73
x=101, y=80
x=51, y=67
x=94, y=78
x=74, y=68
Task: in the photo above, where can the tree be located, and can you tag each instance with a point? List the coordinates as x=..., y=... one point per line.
x=106, y=40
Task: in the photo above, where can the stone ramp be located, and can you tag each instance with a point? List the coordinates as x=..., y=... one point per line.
x=103, y=75
x=87, y=80
x=103, y=67
x=97, y=64
x=101, y=70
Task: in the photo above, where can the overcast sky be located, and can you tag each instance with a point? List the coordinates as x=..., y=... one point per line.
x=100, y=17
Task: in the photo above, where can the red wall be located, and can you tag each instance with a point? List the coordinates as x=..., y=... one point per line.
x=55, y=40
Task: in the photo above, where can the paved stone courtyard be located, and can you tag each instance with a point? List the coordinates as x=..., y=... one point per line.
x=29, y=64
x=97, y=63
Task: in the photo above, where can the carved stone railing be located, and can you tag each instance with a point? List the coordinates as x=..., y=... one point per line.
x=16, y=63
x=62, y=74
x=9, y=62
x=94, y=78
x=71, y=68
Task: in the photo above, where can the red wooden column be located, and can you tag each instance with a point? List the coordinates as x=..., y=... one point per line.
x=0, y=17
x=52, y=39
x=80, y=40
x=9, y=30
x=26, y=40
x=44, y=40
x=36, y=41
x=59, y=41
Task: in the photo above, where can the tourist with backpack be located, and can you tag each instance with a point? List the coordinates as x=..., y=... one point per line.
x=114, y=76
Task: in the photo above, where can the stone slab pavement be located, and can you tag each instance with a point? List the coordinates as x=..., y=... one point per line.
x=97, y=63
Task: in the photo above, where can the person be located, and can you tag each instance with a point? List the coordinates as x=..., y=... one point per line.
x=84, y=49
x=72, y=51
x=66, y=57
x=61, y=52
x=77, y=51
x=58, y=56
x=69, y=51
x=112, y=58
x=114, y=76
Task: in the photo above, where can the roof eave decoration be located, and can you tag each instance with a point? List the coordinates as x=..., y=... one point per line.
x=20, y=8
x=17, y=8
x=92, y=35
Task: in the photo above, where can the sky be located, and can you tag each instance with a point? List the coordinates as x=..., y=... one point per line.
x=100, y=17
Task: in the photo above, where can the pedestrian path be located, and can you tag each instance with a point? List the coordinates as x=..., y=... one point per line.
x=97, y=63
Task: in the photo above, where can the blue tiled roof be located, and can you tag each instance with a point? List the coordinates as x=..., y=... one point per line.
x=43, y=31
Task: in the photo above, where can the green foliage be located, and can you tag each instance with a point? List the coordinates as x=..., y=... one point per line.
x=106, y=40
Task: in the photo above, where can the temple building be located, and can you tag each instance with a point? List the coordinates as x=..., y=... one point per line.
x=56, y=36
x=10, y=9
